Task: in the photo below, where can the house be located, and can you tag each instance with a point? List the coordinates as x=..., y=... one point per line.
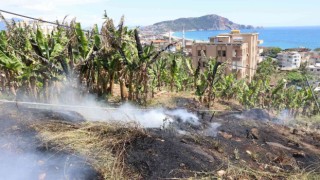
x=314, y=69
x=314, y=58
x=45, y=27
x=240, y=51
x=289, y=60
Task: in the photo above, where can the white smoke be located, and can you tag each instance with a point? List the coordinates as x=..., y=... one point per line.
x=87, y=105
x=184, y=116
x=212, y=130
x=283, y=118
x=21, y=159
x=147, y=118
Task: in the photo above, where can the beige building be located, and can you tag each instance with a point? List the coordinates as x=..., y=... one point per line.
x=45, y=27
x=240, y=51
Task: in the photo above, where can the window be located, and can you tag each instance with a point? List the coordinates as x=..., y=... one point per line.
x=311, y=69
x=222, y=53
x=318, y=69
x=199, y=52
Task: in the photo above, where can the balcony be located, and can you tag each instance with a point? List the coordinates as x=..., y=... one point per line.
x=237, y=54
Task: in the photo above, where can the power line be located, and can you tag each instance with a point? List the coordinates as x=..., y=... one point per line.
x=37, y=19
x=62, y=25
x=54, y=23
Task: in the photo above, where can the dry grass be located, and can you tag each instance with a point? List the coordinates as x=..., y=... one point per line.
x=103, y=144
x=241, y=171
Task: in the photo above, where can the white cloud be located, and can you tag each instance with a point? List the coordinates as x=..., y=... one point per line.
x=45, y=5
x=44, y=2
x=56, y=9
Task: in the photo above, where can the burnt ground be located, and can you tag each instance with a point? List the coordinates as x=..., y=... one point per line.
x=250, y=140
x=163, y=156
x=24, y=156
x=246, y=139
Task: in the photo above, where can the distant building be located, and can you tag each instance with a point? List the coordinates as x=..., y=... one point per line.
x=305, y=57
x=45, y=27
x=314, y=69
x=161, y=44
x=314, y=58
x=289, y=60
x=188, y=47
x=240, y=50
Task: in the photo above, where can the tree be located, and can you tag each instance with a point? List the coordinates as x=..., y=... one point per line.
x=265, y=69
x=271, y=52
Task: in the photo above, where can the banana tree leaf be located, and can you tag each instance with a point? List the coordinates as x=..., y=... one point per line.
x=84, y=45
x=57, y=51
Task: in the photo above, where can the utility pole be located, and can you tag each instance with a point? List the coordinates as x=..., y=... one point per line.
x=313, y=95
x=183, y=39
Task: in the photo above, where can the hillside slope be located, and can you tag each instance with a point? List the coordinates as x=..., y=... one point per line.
x=208, y=22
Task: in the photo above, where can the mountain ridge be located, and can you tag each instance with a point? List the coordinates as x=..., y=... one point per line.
x=207, y=22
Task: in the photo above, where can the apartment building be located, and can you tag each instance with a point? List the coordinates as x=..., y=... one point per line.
x=239, y=50
x=314, y=58
x=314, y=69
x=45, y=27
x=289, y=60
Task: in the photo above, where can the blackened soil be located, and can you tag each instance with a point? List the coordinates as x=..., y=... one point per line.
x=250, y=138
x=260, y=144
x=166, y=156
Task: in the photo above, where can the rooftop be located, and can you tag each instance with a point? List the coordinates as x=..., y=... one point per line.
x=220, y=43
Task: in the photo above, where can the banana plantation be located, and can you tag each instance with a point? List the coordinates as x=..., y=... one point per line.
x=39, y=66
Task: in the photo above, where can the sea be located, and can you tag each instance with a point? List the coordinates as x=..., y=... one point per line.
x=283, y=37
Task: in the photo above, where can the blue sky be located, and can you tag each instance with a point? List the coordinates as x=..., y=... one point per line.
x=145, y=12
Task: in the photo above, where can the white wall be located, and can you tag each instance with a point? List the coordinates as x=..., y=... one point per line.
x=290, y=60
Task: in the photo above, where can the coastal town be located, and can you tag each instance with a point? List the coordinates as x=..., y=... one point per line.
x=243, y=51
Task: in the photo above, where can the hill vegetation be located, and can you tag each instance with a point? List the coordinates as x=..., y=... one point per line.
x=208, y=22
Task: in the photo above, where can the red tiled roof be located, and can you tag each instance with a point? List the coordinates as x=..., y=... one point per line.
x=159, y=41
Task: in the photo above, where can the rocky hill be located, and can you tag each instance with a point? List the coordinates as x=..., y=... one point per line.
x=208, y=22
